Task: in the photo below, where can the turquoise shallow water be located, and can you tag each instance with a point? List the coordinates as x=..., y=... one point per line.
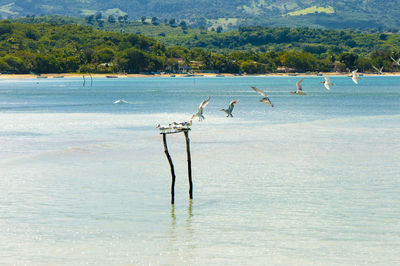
x=314, y=180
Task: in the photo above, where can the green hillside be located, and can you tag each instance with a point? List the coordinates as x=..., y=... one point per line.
x=311, y=13
x=52, y=48
x=319, y=42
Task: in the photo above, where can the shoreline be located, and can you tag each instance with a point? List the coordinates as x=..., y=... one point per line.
x=75, y=75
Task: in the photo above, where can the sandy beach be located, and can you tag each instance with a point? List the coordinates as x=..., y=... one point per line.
x=78, y=75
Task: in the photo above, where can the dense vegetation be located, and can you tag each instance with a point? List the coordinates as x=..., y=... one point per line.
x=257, y=39
x=292, y=13
x=48, y=48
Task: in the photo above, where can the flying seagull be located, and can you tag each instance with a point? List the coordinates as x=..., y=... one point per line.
x=378, y=70
x=299, y=88
x=327, y=83
x=265, y=99
x=121, y=102
x=199, y=113
x=230, y=108
x=355, y=76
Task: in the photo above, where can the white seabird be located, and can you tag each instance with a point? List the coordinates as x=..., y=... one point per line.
x=199, y=113
x=355, y=77
x=121, y=102
x=182, y=125
x=230, y=108
x=299, y=90
x=327, y=83
x=164, y=128
x=265, y=99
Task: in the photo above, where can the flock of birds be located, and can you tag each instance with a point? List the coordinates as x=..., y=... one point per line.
x=177, y=127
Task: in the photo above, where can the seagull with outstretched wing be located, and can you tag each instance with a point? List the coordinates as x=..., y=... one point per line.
x=230, y=108
x=299, y=90
x=265, y=100
x=327, y=83
x=355, y=77
x=199, y=113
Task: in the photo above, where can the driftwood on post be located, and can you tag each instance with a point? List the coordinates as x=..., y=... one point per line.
x=189, y=161
x=172, y=168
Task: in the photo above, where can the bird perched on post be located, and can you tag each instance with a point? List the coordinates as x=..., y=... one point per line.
x=327, y=83
x=230, y=108
x=299, y=90
x=265, y=99
x=164, y=128
x=199, y=113
x=182, y=125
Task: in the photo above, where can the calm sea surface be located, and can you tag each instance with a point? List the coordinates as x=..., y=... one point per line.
x=313, y=181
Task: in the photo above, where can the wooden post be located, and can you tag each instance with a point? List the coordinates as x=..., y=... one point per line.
x=91, y=80
x=189, y=161
x=172, y=168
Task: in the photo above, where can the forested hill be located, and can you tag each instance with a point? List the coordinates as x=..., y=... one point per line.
x=48, y=48
x=320, y=13
x=319, y=42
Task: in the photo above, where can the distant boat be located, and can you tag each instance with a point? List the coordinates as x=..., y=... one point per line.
x=189, y=75
x=58, y=77
x=172, y=76
x=111, y=77
x=220, y=76
x=40, y=77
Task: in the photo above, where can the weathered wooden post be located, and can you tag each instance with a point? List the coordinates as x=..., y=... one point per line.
x=171, y=166
x=91, y=79
x=189, y=162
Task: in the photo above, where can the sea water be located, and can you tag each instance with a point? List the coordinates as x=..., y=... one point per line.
x=315, y=180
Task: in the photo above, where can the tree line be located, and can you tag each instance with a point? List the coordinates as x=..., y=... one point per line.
x=51, y=48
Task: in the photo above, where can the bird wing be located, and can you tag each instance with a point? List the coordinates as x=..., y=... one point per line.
x=355, y=72
x=298, y=84
x=204, y=103
x=233, y=102
x=326, y=84
x=268, y=101
x=259, y=91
